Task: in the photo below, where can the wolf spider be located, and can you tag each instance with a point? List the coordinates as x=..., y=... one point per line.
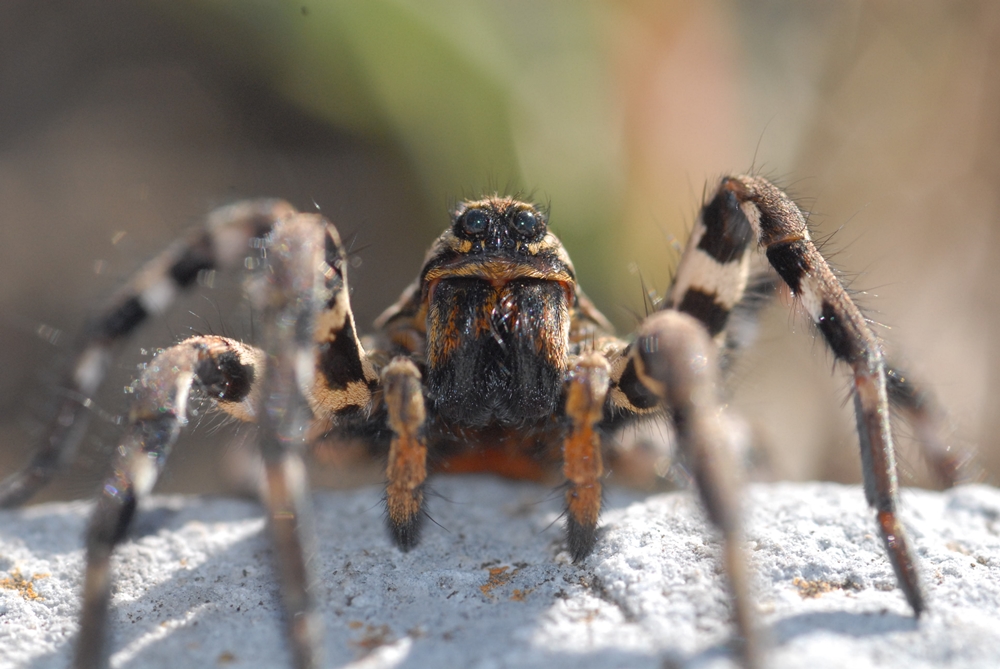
x=492, y=360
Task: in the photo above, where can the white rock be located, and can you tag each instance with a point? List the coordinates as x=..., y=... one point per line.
x=493, y=587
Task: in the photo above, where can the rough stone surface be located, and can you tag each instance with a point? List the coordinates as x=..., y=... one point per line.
x=493, y=586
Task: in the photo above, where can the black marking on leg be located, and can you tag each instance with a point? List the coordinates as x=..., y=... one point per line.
x=727, y=231
x=124, y=519
x=581, y=538
x=657, y=366
x=406, y=535
x=240, y=377
x=844, y=343
x=121, y=321
x=199, y=256
x=637, y=394
x=906, y=394
x=225, y=378
x=790, y=260
x=703, y=306
x=340, y=359
x=110, y=521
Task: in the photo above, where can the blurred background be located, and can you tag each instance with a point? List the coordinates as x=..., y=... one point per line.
x=122, y=124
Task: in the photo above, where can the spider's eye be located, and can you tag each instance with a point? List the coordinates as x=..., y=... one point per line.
x=474, y=222
x=526, y=223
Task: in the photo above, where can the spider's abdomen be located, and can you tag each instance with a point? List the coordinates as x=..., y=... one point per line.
x=496, y=354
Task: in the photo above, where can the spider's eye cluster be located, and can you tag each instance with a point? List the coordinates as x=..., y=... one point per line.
x=515, y=223
x=474, y=222
x=526, y=223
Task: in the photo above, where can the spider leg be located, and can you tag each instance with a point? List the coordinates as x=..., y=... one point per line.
x=671, y=366
x=586, y=389
x=781, y=231
x=222, y=243
x=717, y=252
x=299, y=300
x=407, y=468
x=675, y=361
x=304, y=310
x=225, y=370
x=712, y=276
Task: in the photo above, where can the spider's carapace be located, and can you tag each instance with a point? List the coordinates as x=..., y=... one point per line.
x=492, y=322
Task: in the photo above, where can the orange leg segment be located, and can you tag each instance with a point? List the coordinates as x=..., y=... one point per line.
x=407, y=469
x=586, y=389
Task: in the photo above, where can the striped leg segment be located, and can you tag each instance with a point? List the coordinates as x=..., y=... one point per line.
x=222, y=243
x=407, y=468
x=676, y=361
x=347, y=379
x=586, y=389
x=781, y=231
x=292, y=298
x=224, y=370
x=713, y=285
x=304, y=278
x=712, y=276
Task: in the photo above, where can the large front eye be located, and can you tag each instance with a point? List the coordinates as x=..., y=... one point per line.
x=526, y=223
x=475, y=221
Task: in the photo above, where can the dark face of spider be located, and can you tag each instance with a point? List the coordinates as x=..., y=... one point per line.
x=499, y=289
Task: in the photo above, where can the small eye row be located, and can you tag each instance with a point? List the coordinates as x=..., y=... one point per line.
x=475, y=222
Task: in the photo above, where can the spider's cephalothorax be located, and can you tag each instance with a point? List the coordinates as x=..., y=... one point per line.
x=496, y=295
x=493, y=359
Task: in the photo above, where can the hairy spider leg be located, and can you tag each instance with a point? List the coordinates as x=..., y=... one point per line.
x=306, y=263
x=221, y=244
x=673, y=366
x=711, y=279
x=780, y=230
x=713, y=284
x=225, y=370
x=302, y=297
x=586, y=389
x=675, y=360
x=406, y=471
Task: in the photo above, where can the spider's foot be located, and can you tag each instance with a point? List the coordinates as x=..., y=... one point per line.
x=903, y=562
x=405, y=516
x=586, y=391
x=581, y=538
x=407, y=468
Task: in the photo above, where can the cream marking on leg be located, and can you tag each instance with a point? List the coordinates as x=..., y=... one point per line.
x=725, y=281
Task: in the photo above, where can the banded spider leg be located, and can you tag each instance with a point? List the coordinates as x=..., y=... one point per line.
x=747, y=209
x=673, y=364
x=303, y=304
x=781, y=231
x=221, y=244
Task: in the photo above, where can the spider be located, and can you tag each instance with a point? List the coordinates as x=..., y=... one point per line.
x=493, y=359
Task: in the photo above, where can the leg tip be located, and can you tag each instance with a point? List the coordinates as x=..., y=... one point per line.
x=404, y=515
x=581, y=539
x=917, y=604
x=406, y=533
